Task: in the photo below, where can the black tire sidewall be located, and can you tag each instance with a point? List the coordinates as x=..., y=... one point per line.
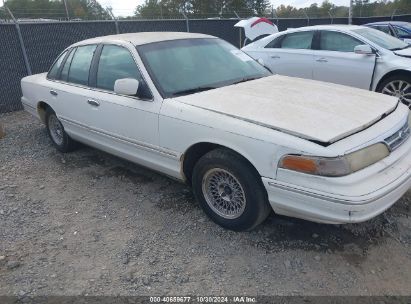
x=257, y=207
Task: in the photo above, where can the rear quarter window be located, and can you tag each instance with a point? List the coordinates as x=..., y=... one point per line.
x=53, y=73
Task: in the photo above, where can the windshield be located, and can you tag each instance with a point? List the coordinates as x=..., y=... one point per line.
x=181, y=67
x=381, y=39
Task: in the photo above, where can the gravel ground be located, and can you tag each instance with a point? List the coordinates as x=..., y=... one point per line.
x=88, y=223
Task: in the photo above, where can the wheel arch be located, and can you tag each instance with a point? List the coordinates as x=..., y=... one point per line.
x=41, y=110
x=198, y=150
x=390, y=74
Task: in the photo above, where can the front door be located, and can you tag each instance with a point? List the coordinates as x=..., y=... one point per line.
x=336, y=62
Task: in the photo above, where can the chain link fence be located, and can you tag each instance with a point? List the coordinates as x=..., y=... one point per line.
x=31, y=47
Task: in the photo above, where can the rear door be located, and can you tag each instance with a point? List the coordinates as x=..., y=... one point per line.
x=71, y=92
x=336, y=62
x=291, y=54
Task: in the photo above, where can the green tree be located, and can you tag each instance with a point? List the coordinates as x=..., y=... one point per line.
x=287, y=11
x=248, y=8
x=54, y=9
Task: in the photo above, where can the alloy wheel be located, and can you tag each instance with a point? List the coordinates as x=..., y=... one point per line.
x=400, y=89
x=56, y=129
x=223, y=193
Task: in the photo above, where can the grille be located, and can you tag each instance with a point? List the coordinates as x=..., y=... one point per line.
x=395, y=140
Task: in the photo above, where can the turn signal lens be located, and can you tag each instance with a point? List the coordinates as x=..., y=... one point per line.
x=315, y=165
x=299, y=163
x=335, y=166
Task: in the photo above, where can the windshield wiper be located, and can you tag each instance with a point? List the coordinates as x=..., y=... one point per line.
x=193, y=90
x=246, y=79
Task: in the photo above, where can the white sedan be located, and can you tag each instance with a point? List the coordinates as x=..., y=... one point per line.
x=199, y=110
x=355, y=56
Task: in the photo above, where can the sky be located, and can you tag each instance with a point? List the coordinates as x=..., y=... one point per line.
x=126, y=7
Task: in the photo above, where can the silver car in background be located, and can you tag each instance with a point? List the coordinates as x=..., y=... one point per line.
x=355, y=56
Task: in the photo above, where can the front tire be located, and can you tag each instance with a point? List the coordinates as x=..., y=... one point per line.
x=230, y=191
x=398, y=86
x=55, y=129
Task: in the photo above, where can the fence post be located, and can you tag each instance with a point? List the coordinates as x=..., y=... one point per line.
x=308, y=18
x=239, y=29
x=393, y=14
x=110, y=11
x=187, y=22
x=331, y=16
x=23, y=47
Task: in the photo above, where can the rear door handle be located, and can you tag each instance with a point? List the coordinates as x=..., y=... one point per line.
x=93, y=102
x=54, y=93
x=322, y=60
x=275, y=57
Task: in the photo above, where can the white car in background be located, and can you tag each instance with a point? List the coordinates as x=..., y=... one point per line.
x=355, y=56
x=196, y=108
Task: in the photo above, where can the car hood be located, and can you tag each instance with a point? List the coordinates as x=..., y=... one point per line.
x=312, y=110
x=404, y=52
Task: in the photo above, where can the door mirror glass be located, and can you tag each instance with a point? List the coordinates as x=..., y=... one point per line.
x=363, y=49
x=126, y=86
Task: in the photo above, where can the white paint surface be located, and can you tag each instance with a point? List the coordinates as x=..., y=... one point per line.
x=308, y=109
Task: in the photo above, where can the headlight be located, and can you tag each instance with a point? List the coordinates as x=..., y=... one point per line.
x=336, y=166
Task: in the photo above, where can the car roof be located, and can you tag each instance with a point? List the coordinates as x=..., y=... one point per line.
x=327, y=27
x=143, y=38
x=388, y=22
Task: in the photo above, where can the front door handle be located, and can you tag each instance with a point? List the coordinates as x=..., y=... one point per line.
x=54, y=93
x=275, y=57
x=93, y=102
x=322, y=60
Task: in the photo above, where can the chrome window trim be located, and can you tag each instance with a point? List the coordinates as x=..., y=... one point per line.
x=99, y=90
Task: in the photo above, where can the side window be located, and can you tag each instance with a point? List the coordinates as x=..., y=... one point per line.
x=400, y=32
x=115, y=63
x=274, y=44
x=383, y=28
x=335, y=41
x=66, y=67
x=299, y=40
x=80, y=64
x=56, y=66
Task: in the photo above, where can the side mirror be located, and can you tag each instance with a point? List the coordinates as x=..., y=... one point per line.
x=363, y=49
x=126, y=86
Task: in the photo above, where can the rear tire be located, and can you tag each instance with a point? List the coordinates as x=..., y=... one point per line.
x=398, y=86
x=230, y=191
x=60, y=139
